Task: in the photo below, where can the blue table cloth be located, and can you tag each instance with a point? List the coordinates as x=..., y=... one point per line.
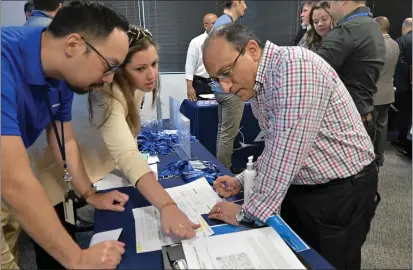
x=204, y=124
x=108, y=220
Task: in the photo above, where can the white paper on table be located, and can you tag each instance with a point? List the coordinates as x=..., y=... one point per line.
x=207, y=96
x=252, y=249
x=148, y=230
x=105, y=236
x=195, y=198
x=170, y=131
x=152, y=160
x=111, y=181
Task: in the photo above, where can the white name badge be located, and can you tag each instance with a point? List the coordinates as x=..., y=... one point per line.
x=69, y=211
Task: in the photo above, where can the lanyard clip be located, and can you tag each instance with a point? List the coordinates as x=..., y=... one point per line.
x=68, y=179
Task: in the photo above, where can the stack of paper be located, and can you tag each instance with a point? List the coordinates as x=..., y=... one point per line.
x=105, y=236
x=194, y=199
x=252, y=249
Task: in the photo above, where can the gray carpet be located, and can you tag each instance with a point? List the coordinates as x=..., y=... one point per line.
x=389, y=244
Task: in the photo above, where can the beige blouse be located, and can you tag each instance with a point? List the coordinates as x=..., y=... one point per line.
x=102, y=150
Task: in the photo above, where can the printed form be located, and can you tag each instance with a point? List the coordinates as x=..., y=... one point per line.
x=253, y=249
x=194, y=199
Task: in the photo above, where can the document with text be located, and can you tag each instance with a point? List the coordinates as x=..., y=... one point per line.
x=253, y=249
x=194, y=199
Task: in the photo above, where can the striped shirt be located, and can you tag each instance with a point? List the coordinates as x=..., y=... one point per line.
x=314, y=133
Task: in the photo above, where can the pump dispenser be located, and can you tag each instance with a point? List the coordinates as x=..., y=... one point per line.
x=249, y=175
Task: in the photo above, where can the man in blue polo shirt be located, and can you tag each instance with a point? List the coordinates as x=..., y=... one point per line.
x=82, y=48
x=43, y=13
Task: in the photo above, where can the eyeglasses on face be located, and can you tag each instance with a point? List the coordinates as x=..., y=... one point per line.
x=226, y=74
x=111, y=68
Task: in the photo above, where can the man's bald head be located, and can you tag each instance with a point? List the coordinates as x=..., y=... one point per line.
x=209, y=20
x=384, y=24
x=407, y=26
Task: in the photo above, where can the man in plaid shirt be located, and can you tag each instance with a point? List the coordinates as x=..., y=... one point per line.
x=317, y=165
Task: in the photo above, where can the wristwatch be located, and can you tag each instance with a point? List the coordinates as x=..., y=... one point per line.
x=242, y=219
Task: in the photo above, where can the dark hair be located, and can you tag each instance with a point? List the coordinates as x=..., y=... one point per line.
x=313, y=39
x=28, y=6
x=47, y=5
x=227, y=4
x=139, y=40
x=95, y=20
x=236, y=34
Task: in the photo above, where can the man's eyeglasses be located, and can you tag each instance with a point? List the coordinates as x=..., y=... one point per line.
x=137, y=35
x=226, y=74
x=111, y=67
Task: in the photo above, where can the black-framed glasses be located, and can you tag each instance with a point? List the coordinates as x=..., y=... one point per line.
x=111, y=67
x=138, y=34
x=226, y=74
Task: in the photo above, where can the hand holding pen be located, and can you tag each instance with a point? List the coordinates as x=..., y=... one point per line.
x=227, y=186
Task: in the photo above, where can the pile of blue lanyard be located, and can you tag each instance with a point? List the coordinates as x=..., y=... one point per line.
x=184, y=169
x=158, y=142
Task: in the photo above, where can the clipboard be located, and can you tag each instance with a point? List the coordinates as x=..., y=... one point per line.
x=174, y=257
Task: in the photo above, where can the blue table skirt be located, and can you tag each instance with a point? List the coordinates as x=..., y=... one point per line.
x=108, y=220
x=204, y=124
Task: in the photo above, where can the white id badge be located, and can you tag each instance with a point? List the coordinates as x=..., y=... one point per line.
x=69, y=211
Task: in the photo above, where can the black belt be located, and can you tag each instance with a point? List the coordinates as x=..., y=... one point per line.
x=341, y=181
x=198, y=79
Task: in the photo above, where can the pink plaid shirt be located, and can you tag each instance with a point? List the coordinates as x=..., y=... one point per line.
x=314, y=133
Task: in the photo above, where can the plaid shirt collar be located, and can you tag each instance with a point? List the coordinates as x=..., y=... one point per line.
x=266, y=56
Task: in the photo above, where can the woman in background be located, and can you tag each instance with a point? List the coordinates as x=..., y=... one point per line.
x=321, y=22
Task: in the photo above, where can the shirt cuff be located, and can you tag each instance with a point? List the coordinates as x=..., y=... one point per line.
x=250, y=209
x=134, y=167
x=189, y=77
x=240, y=179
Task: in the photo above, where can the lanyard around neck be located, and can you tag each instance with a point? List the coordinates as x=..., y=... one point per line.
x=61, y=142
x=357, y=15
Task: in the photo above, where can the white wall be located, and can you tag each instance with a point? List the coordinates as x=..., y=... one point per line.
x=12, y=13
x=173, y=85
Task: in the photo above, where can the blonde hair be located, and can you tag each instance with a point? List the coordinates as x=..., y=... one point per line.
x=139, y=40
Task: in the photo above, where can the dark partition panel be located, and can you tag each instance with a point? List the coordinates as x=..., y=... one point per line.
x=395, y=10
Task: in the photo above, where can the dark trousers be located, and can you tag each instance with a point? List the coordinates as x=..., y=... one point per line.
x=381, y=116
x=404, y=105
x=334, y=218
x=43, y=259
x=201, y=86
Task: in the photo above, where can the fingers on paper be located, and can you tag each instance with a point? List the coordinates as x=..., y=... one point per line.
x=216, y=216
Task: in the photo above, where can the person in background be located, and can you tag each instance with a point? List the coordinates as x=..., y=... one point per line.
x=318, y=160
x=385, y=90
x=305, y=22
x=355, y=49
x=197, y=79
x=111, y=139
x=40, y=71
x=321, y=23
x=230, y=108
x=403, y=79
x=28, y=8
x=43, y=13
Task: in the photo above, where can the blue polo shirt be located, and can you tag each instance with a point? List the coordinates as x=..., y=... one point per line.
x=38, y=18
x=24, y=87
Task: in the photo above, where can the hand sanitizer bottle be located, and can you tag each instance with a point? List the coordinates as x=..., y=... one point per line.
x=249, y=175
